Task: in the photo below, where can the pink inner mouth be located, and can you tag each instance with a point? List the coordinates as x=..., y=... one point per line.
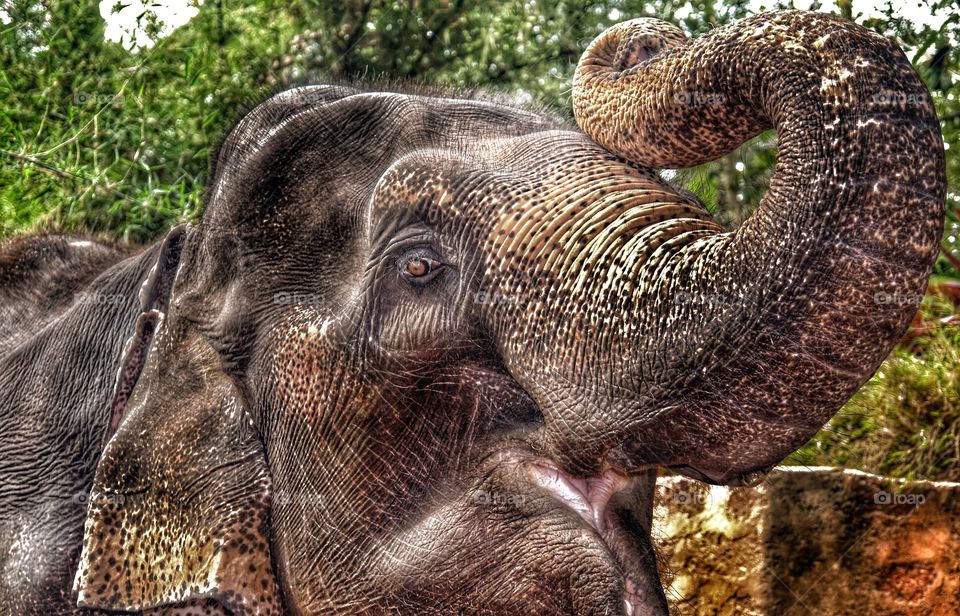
x=588, y=497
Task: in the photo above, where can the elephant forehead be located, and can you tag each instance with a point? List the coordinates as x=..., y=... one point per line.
x=540, y=174
x=484, y=168
x=544, y=201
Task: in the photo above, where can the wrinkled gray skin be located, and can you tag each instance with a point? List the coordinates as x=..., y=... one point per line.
x=423, y=354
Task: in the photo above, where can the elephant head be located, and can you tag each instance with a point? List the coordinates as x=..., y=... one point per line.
x=424, y=354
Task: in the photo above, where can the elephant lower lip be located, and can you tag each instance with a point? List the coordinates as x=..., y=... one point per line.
x=589, y=497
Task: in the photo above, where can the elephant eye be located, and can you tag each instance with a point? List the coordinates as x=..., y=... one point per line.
x=420, y=267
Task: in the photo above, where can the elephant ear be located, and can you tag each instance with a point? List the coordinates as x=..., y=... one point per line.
x=179, y=509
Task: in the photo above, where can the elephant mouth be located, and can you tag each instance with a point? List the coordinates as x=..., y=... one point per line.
x=605, y=503
x=586, y=496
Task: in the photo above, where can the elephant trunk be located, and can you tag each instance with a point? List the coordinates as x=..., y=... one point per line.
x=768, y=330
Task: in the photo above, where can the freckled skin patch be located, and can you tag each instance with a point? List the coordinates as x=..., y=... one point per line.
x=320, y=428
x=159, y=533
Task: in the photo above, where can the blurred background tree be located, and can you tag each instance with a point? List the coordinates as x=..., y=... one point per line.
x=114, y=137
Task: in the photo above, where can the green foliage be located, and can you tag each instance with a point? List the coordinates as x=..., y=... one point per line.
x=98, y=138
x=904, y=422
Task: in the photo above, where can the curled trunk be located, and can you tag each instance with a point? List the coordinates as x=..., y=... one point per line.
x=768, y=330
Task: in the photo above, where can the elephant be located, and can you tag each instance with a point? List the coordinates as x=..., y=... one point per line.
x=425, y=353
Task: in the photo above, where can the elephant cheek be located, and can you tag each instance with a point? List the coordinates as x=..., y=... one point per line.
x=312, y=419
